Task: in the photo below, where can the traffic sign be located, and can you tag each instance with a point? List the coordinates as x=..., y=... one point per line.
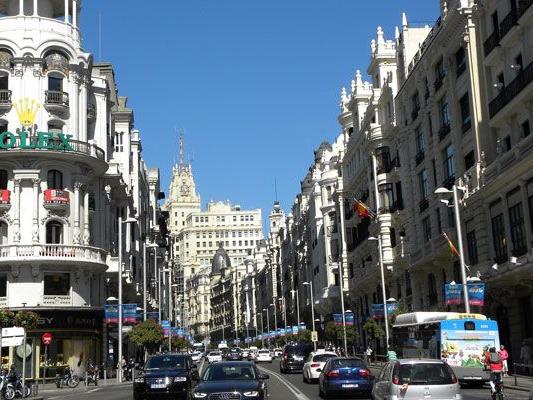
x=46, y=338
x=12, y=336
x=314, y=336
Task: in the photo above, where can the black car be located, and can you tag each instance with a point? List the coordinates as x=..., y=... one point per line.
x=234, y=354
x=294, y=356
x=232, y=380
x=167, y=375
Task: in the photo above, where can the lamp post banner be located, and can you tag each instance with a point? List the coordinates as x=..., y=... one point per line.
x=337, y=318
x=453, y=294
x=129, y=314
x=349, y=318
x=476, y=294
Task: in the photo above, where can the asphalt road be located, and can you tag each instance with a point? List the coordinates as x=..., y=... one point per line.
x=280, y=387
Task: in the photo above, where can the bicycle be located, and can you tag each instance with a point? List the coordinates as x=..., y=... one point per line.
x=496, y=386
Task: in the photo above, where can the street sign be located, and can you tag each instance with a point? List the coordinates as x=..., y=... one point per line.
x=314, y=336
x=12, y=336
x=46, y=338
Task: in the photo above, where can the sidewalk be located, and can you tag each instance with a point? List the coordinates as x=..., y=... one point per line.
x=515, y=382
x=50, y=387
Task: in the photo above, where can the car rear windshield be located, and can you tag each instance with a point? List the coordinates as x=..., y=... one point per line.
x=347, y=363
x=165, y=362
x=264, y=351
x=424, y=374
x=299, y=350
x=323, y=357
x=235, y=351
x=214, y=353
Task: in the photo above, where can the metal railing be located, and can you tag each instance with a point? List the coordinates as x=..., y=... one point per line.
x=509, y=92
x=53, y=300
x=61, y=251
x=491, y=43
x=56, y=97
x=508, y=22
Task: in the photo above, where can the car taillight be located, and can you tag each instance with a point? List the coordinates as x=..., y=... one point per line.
x=364, y=373
x=333, y=374
x=285, y=356
x=315, y=365
x=396, y=380
x=395, y=375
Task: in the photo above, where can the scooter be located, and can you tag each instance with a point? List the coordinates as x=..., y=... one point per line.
x=129, y=371
x=92, y=374
x=15, y=383
x=7, y=391
x=67, y=378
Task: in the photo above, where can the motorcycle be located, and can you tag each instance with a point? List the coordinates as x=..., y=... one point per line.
x=67, y=378
x=129, y=371
x=7, y=391
x=14, y=382
x=92, y=374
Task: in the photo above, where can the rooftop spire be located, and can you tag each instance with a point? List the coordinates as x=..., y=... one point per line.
x=182, y=150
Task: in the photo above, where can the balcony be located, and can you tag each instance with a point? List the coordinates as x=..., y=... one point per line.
x=5, y=199
x=57, y=301
x=508, y=22
x=423, y=204
x=5, y=100
x=419, y=157
x=508, y=93
x=53, y=254
x=58, y=200
x=491, y=43
x=444, y=130
x=56, y=101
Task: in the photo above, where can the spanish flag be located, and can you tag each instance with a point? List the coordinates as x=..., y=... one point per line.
x=452, y=246
x=363, y=211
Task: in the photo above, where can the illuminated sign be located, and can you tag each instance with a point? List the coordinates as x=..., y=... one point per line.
x=42, y=140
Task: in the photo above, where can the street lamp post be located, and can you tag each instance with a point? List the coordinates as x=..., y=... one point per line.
x=454, y=190
x=268, y=323
x=310, y=283
x=341, y=288
x=284, y=308
x=262, y=331
x=120, y=222
x=275, y=317
x=145, y=266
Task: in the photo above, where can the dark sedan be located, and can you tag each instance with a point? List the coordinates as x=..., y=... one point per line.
x=231, y=380
x=234, y=354
x=166, y=376
x=345, y=377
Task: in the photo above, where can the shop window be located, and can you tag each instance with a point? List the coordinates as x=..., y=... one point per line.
x=55, y=179
x=54, y=232
x=57, y=284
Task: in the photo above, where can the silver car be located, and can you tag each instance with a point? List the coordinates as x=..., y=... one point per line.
x=416, y=379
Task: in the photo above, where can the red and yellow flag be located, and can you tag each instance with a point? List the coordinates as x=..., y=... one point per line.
x=362, y=210
x=452, y=246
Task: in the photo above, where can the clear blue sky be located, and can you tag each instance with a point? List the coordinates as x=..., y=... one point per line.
x=254, y=84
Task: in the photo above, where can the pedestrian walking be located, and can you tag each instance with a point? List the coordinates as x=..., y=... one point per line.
x=504, y=355
x=368, y=354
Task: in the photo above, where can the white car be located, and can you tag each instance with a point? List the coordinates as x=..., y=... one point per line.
x=278, y=352
x=264, y=355
x=314, y=362
x=214, y=356
x=196, y=356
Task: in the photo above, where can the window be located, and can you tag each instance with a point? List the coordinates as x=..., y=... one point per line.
x=3, y=233
x=448, y=167
x=3, y=179
x=4, y=82
x=54, y=232
x=3, y=286
x=383, y=159
x=55, y=127
x=386, y=196
x=439, y=220
x=518, y=233
x=3, y=126
x=470, y=160
x=420, y=141
x=55, y=84
x=495, y=23
x=451, y=217
x=424, y=184
x=408, y=287
x=526, y=128
x=57, y=284
x=426, y=227
x=440, y=72
x=415, y=105
x=464, y=104
x=55, y=179
x=518, y=63
x=433, y=297
x=444, y=113
x=460, y=61
x=499, y=239
x=471, y=243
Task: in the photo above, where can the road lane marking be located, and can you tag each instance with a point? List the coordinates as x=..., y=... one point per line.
x=92, y=390
x=297, y=393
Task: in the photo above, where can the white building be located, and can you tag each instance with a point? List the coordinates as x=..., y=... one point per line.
x=66, y=174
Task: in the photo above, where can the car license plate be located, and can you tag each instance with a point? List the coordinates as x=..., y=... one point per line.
x=475, y=378
x=157, y=386
x=350, y=385
x=296, y=358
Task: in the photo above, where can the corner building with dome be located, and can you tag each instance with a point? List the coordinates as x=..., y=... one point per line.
x=70, y=165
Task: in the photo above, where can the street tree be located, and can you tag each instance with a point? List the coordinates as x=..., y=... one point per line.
x=147, y=334
x=373, y=330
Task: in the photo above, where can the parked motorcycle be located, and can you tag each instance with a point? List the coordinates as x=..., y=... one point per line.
x=67, y=378
x=7, y=390
x=129, y=371
x=14, y=382
x=92, y=374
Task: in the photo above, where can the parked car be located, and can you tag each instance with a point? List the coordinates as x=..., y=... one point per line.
x=232, y=380
x=343, y=376
x=165, y=375
x=416, y=379
x=234, y=354
x=196, y=356
x=278, y=352
x=294, y=356
x=315, y=362
x=214, y=356
x=264, y=355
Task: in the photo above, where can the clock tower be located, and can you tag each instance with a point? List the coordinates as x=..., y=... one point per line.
x=183, y=198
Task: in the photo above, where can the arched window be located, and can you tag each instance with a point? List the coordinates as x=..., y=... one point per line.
x=432, y=287
x=3, y=233
x=55, y=126
x=3, y=179
x=54, y=232
x=55, y=179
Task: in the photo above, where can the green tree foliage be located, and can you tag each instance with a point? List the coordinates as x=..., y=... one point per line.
x=178, y=344
x=373, y=329
x=335, y=332
x=6, y=318
x=147, y=334
x=26, y=320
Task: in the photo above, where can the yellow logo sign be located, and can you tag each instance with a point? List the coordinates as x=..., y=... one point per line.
x=26, y=111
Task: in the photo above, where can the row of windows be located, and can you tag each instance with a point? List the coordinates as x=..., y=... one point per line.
x=222, y=218
x=55, y=284
x=54, y=233
x=54, y=179
x=220, y=235
x=227, y=243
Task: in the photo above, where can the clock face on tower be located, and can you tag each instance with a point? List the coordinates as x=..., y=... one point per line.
x=184, y=188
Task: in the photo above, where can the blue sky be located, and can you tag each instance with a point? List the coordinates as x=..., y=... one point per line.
x=254, y=84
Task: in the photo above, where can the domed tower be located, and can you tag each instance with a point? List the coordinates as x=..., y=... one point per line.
x=221, y=261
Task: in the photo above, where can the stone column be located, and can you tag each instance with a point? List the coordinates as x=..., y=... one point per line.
x=21, y=7
x=344, y=252
x=35, y=7
x=75, y=13
x=82, y=123
x=35, y=221
x=76, y=235
x=75, y=110
x=16, y=221
x=66, y=10
x=86, y=232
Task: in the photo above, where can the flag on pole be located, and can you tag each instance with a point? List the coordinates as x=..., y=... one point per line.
x=452, y=246
x=363, y=211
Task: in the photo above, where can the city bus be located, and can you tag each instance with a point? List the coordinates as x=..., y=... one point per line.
x=458, y=339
